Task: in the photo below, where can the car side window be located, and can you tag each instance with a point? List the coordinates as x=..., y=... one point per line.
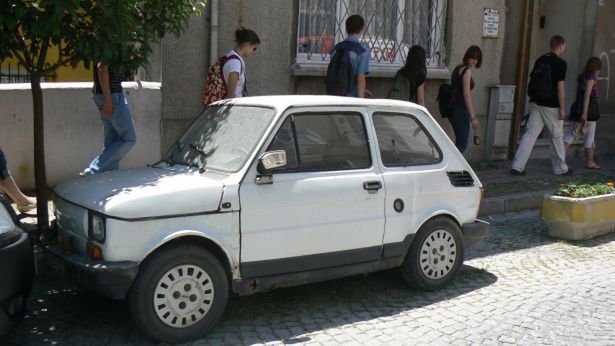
x=323, y=142
x=404, y=142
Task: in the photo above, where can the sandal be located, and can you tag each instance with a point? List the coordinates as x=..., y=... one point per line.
x=26, y=208
x=595, y=167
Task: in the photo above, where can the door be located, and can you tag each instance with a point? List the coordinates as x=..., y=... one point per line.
x=414, y=177
x=325, y=208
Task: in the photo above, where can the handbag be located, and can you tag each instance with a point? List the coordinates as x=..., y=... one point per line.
x=580, y=130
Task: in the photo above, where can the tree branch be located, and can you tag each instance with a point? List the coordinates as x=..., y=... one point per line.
x=55, y=66
x=28, y=58
x=42, y=55
x=21, y=60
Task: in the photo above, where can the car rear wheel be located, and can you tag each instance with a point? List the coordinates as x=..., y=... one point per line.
x=179, y=294
x=435, y=256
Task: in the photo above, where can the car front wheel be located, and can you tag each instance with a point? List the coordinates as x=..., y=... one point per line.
x=435, y=256
x=179, y=294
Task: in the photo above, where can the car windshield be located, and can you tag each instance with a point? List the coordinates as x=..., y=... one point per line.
x=222, y=138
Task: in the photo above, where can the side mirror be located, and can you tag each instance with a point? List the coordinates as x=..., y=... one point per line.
x=272, y=160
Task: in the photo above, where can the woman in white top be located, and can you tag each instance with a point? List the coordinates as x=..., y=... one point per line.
x=234, y=70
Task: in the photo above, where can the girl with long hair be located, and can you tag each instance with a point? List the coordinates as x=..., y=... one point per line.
x=585, y=110
x=409, y=84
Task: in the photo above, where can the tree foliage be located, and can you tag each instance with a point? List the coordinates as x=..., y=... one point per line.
x=118, y=32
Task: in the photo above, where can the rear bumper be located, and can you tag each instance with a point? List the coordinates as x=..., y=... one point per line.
x=16, y=275
x=112, y=279
x=473, y=232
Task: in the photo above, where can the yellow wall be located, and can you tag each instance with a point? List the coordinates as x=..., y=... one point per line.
x=63, y=74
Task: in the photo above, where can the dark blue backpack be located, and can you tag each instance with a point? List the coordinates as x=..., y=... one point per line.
x=340, y=74
x=540, y=87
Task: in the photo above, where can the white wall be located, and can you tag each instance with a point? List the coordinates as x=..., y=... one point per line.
x=73, y=131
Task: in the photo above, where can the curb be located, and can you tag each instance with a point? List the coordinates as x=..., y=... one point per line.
x=514, y=202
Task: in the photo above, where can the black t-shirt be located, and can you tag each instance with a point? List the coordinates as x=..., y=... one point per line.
x=115, y=81
x=558, y=74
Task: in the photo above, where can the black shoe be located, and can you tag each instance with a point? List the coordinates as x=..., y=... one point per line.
x=516, y=172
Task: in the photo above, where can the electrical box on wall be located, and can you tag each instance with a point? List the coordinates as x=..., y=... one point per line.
x=501, y=108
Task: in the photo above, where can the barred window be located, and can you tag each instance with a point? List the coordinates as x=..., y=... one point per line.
x=391, y=28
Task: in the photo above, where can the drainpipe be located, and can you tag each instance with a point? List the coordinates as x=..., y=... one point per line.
x=213, y=32
x=521, y=80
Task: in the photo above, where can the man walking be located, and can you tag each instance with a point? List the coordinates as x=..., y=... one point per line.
x=547, y=101
x=349, y=63
x=118, y=125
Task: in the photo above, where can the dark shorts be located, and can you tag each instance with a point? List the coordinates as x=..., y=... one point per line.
x=4, y=170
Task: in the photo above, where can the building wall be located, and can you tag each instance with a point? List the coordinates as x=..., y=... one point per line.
x=605, y=49
x=73, y=131
x=270, y=70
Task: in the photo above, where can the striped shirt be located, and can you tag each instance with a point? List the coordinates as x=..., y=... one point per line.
x=115, y=81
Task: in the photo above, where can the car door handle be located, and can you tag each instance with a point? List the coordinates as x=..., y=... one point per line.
x=372, y=185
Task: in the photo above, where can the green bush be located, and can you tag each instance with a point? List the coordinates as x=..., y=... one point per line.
x=580, y=190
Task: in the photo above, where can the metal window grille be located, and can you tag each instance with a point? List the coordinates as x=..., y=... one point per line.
x=17, y=74
x=391, y=28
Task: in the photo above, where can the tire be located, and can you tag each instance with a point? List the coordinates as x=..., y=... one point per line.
x=435, y=255
x=180, y=294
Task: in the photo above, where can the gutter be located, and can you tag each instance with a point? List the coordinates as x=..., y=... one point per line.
x=213, y=32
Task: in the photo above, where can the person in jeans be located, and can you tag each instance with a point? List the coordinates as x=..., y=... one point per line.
x=587, y=90
x=118, y=125
x=463, y=115
x=409, y=84
x=7, y=184
x=549, y=112
x=355, y=25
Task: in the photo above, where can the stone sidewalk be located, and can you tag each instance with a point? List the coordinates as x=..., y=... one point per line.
x=505, y=192
x=517, y=286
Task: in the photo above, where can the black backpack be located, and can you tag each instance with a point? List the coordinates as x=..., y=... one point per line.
x=446, y=96
x=540, y=87
x=340, y=74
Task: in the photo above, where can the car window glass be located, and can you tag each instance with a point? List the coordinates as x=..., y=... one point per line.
x=331, y=142
x=285, y=140
x=403, y=141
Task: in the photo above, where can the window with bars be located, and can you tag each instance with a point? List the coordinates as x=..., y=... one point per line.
x=391, y=28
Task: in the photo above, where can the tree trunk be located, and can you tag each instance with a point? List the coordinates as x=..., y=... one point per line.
x=40, y=176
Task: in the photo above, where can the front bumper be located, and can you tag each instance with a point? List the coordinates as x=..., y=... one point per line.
x=473, y=232
x=112, y=279
x=16, y=275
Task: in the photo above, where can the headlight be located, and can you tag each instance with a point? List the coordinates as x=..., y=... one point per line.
x=96, y=229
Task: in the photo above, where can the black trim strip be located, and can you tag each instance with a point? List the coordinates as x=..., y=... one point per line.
x=147, y=218
x=309, y=262
x=398, y=249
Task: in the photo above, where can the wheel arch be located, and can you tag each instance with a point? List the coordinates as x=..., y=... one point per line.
x=216, y=249
x=420, y=229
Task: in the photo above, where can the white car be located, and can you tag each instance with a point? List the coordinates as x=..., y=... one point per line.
x=267, y=192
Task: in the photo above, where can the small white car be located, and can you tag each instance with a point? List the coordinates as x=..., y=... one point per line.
x=267, y=192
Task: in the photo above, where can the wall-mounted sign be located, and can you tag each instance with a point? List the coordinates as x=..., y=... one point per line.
x=491, y=20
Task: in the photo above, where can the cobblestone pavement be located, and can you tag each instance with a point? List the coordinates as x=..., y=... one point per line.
x=518, y=286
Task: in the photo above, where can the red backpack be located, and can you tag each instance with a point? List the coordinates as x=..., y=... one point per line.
x=215, y=86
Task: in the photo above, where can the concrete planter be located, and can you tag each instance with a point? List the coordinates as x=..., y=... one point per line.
x=578, y=218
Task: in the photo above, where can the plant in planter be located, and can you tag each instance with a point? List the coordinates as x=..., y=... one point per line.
x=579, y=211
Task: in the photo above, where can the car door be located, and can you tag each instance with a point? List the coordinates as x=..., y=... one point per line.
x=325, y=208
x=414, y=175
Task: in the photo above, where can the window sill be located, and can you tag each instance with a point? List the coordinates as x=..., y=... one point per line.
x=319, y=69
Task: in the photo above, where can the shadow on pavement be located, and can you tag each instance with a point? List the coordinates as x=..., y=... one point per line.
x=59, y=314
x=593, y=242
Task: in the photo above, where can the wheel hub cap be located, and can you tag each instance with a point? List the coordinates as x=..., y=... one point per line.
x=183, y=296
x=438, y=254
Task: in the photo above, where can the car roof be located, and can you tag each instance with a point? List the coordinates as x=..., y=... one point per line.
x=285, y=101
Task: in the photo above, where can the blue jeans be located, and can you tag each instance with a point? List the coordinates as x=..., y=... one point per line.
x=119, y=131
x=460, y=119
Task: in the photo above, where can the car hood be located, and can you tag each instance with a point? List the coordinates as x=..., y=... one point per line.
x=144, y=193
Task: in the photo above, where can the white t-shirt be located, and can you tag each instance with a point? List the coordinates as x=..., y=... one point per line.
x=234, y=65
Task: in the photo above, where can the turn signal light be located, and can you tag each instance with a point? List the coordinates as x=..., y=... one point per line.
x=94, y=251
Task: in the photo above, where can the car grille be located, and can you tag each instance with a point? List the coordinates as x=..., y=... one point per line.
x=461, y=179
